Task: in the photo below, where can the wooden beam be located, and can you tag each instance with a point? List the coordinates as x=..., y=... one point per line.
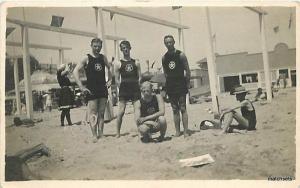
x=265, y=59
x=26, y=68
x=108, y=114
x=211, y=64
x=61, y=56
x=17, y=91
x=144, y=17
x=257, y=10
x=60, y=30
x=40, y=46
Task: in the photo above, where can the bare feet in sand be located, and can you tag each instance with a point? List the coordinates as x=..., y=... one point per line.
x=177, y=134
x=95, y=139
x=186, y=134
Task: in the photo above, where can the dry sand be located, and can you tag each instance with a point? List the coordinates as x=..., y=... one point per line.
x=269, y=151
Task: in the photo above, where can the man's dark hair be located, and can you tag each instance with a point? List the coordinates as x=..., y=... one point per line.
x=169, y=36
x=96, y=40
x=126, y=43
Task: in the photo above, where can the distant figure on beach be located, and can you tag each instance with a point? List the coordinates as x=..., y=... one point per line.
x=96, y=90
x=40, y=103
x=128, y=75
x=66, y=95
x=26, y=121
x=177, y=72
x=150, y=114
x=48, y=103
x=247, y=118
x=260, y=95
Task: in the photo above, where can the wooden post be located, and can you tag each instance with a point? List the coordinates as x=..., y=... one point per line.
x=109, y=114
x=211, y=65
x=289, y=84
x=240, y=79
x=115, y=49
x=259, y=84
x=61, y=56
x=265, y=58
x=180, y=40
x=118, y=51
x=27, y=75
x=17, y=91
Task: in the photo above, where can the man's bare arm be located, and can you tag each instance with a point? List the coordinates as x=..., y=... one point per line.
x=137, y=113
x=139, y=70
x=78, y=67
x=109, y=75
x=117, y=73
x=186, y=67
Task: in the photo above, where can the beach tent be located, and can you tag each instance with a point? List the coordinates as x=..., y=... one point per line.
x=41, y=81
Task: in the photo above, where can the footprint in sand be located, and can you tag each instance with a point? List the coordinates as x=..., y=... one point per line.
x=116, y=166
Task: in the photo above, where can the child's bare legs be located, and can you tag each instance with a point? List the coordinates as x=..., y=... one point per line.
x=243, y=123
x=227, y=122
x=228, y=118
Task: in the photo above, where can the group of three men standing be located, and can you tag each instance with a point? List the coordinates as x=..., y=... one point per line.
x=148, y=108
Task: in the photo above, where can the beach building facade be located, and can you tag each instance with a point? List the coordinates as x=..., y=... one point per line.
x=247, y=69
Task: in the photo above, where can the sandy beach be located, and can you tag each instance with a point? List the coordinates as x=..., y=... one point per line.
x=268, y=151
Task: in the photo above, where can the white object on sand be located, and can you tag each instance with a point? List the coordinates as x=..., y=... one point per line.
x=196, y=161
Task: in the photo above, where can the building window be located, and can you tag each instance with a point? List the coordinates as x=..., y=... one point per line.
x=249, y=78
x=192, y=83
x=284, y=73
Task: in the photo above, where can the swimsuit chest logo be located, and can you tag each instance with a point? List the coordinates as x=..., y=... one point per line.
x=172, y=65
x=98, y=67
x=128, y=68
x=151, y=110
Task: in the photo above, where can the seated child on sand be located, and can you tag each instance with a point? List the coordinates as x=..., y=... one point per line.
x=246, y=120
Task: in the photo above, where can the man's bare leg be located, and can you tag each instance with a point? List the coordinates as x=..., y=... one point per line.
x=185, y=119
x=122, y=106
x=101, y=110
x=163, y=127
x=176, y=118
x=144, y=130
x=93, y=117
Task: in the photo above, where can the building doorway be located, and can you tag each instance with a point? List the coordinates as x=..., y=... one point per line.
x=293, y=78
x=230, y=82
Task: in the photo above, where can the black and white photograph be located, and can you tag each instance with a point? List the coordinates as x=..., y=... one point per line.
x=129, y=92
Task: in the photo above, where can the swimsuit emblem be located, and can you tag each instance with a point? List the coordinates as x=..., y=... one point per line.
x=98, y=67
x=128, y=68
x=172, y=65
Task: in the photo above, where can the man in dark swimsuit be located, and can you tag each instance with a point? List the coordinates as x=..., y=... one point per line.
x=127, y=74
x=150, y=114
x=177, y=72
x=94, y=65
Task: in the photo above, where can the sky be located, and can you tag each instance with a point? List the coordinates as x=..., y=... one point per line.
x=236, y=29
